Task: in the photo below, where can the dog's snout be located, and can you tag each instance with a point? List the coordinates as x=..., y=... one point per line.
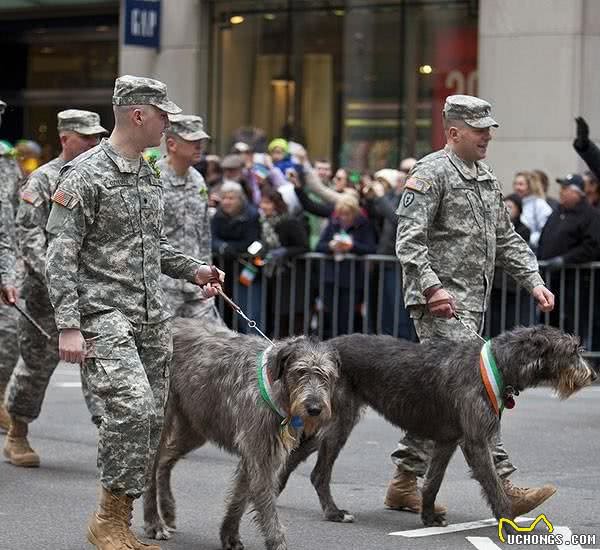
x=313, y=410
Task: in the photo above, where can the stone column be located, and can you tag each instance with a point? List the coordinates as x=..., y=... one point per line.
x=182, y=62
x=538, y=67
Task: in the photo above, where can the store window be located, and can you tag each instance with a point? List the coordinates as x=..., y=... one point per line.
x=359, y=82
x=56, y=61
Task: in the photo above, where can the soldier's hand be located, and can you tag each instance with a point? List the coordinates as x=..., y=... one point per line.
x=583, y=133
x=8, y=294
x=71, y=346
x=441, y=304
x=210, y=278
x=544, y=298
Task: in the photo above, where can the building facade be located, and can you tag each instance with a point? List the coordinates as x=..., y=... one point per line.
x=360, y=82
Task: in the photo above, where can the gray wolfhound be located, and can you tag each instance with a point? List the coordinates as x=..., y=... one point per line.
x=436, y=390
x=251, y=399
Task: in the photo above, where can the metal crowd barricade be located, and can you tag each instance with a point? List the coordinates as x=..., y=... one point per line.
x=295, y=298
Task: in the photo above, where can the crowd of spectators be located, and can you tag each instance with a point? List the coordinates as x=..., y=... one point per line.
x=279, y=198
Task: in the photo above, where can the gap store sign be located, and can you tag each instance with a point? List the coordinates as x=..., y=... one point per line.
x=142, y=23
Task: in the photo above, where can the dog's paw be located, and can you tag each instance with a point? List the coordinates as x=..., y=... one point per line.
x=431, y=519
x=232, y=542
x=158, y=531
x=339, y=516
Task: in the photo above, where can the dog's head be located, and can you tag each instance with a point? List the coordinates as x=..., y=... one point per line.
x=543, y=355
x=309, y=370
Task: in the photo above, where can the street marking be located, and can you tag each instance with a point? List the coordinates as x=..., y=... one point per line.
x=67, y=384
x=452, y=528
x=483, y=543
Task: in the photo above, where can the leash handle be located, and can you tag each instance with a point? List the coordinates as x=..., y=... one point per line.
x=32, y=321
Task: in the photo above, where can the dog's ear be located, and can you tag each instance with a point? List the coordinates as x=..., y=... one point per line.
x=284, y=354
x=337, y=359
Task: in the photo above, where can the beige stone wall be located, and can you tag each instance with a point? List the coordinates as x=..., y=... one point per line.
x=182, y=62
x=538, y=67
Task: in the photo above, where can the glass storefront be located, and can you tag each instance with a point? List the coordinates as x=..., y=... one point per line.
x=56, y=61
x=359, y=82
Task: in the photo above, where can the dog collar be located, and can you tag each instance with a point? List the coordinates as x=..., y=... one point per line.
x=492, y=378
x=265, y=386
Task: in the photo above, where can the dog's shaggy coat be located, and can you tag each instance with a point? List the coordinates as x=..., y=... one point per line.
x=435, y=390
x=214, y=396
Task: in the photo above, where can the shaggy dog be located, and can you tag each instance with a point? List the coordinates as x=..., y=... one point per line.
x=436, y=390
x=251, y=399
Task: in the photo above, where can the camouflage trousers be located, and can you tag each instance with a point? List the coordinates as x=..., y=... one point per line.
x=184, y=305
x=39, y=358
x=127, y=367
x=9, y=344
x=413, y=453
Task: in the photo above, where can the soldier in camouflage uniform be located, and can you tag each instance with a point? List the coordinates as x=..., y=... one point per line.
x=8, y=290
x=78, y=131
x=452, y=229
x=186, y=219
x=10, y=178
x=106, y=252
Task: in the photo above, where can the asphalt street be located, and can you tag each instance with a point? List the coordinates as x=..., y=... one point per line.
x=549, y=441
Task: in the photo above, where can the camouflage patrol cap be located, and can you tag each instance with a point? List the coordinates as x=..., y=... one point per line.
x=472, y=110
x=86, y=123
x=137, y=90
x=188, y=127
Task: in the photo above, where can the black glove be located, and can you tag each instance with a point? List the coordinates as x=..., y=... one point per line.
x=583, y=134
x=555, y=263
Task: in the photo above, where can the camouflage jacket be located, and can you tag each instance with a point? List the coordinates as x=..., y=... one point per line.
x=107, y=244
x=32, y=217
x=7, y=241
x=453, y=227
x=186, y=220
x=10, y=177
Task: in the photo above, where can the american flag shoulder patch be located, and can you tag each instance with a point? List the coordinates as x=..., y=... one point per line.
x=417, y=184
x=32, y=197
x=64, y=198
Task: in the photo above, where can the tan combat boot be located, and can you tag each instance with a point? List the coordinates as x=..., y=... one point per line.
x=525, y=499
x=133, y=540
x=4, y=416
x=402, y=494
x=16, y=446
x=108, y=529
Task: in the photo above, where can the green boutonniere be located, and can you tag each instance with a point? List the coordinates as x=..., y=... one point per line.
x=203, y=191
x=155, y=169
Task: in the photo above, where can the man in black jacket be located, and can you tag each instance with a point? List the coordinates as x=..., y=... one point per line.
x=571, y=236
x=587, y=149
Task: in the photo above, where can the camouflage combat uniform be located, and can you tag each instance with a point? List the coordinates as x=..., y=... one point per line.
x=453, y=227
x=105, y=256
x=10, y=178
x=28, y=383
x=187, y=226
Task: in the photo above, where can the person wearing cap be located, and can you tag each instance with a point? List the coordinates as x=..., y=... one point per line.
x=186, y=219
x=10, y=181
x=453, y=228
x=571, y=236
x=106, y=251
x=78, y=132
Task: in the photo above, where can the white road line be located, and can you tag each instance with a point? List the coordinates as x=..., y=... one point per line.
x=453, y=528
x=483, y=543
x=67, y=384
